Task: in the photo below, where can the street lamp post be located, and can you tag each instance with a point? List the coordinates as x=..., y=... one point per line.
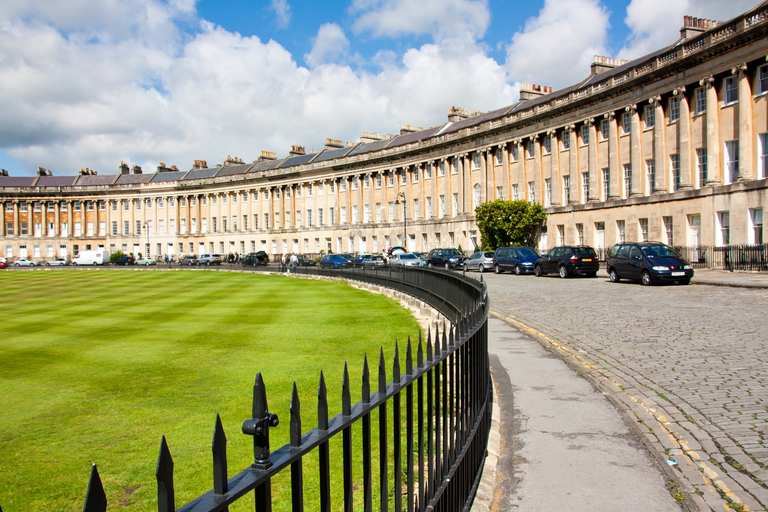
x=401, y=195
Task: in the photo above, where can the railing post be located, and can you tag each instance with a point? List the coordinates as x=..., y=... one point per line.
x=258, y=427
x=95, y=498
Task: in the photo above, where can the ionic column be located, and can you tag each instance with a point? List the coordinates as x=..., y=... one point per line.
x=57, y=218
x=746, y=169
x=635, y=153
x=592, y=167
x=16, y=232
x=684, y=140
x=714, y=170
x=554, y=167
x=614, y=191
x=659, y=153
x=538, y=171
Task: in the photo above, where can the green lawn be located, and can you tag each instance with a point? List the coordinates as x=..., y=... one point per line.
x=95, y=366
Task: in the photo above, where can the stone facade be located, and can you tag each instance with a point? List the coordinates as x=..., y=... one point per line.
x=669, y=147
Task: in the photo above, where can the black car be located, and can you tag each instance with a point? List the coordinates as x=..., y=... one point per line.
x=647, y=262
x=518, y=259
x=124, y=260
x=446, y=258
x=306, y=261
x=568, y=260
x=255, y=258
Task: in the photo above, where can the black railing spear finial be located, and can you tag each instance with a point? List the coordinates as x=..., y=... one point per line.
x=419, y=353
x=219, y=449
x=409, y=357
x=258, y=426
x=396, y=367
x=322, y=404
x=166, y=500
x=366, y=381
x=429, y=345
x=346, y=396
x=382, y=373
x=95, y=497
x=295, y=417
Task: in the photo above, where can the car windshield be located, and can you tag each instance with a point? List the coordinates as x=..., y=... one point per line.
x=583, y=251
x=408, y=257
x=527, y=252
x=451, y=252
x=659, y=251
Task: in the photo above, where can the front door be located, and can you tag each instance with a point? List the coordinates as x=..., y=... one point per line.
x=694, y=236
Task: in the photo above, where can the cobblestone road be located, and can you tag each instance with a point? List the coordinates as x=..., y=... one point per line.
x=689, y=362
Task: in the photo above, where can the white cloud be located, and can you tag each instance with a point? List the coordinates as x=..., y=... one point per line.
x=655, y=24
x=443, y=19
x=328, y=46
x=557, y=47
x=70, y=101
x=282, y=12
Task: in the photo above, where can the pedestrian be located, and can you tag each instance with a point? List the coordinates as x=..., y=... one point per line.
x=282, y=263
x=294, y=261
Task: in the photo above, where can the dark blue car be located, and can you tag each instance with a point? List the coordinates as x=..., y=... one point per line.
x=334, y=261
x=647, y=262
x=519, y=260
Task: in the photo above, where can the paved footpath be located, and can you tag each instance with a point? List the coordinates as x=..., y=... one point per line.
x=686, y=366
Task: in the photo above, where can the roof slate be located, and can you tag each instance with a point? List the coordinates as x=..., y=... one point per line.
x=297, y=160
x=330, y=154
x=17, y=181
x=126, y=179
x=231, y=170
x=56, y=181
x=161, y=177
x=195, y=174
x=367, y=147
x=96, y=180
x=413, y=137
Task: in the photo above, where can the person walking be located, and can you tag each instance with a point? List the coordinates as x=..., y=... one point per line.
x=294, y=261
x=283, y=262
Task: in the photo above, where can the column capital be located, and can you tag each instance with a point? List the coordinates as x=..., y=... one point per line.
x=631, y=108
x=679, y=90
x=610, y=115
x=570, y=127
x=739, y=68
x=654, y=100
x=708, y=80
x=589, y=121
x=550, y=133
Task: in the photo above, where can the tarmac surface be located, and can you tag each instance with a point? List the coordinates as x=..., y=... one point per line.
x=624, y=397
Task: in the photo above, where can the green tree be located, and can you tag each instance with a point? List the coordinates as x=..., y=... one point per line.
x=503, y=223
x=115, y=255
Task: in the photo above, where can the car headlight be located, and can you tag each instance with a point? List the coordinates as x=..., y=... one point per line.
x=687, y=267
x=452, y=260
x=660, y=268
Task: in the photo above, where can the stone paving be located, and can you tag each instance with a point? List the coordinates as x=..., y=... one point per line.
x=689, y=362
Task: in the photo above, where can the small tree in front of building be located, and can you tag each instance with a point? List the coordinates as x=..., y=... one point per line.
x=509, y=223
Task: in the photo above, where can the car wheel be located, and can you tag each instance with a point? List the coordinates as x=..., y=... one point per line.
x=447, y=266
x=645, y=278
x=47, y=264
x=431, y=265
x=482, y=268
x=518, y=270
x=16, y=265
x=614, y=276
x=685, y=281
x=497, y=269
x=74, y=263
x=537, y=271
x=563, y=271
x=207, y=263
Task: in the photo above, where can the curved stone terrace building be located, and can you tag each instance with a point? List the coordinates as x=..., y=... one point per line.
x=672, y=147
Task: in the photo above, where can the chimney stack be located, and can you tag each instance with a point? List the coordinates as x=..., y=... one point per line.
x=124, y=169
x=297, y=151
x=200, y=164
x=602, y=64
x=41, y=171
x=456, y=114
x=137, y=170
x=233, y=160
x=407, y=128
x=372, y=137
x=333, y=143
x=3, y=172
x=267, y=155
x=693, y=26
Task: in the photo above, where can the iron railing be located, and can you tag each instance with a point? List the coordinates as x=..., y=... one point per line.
x=728, y=257
x=447, y=389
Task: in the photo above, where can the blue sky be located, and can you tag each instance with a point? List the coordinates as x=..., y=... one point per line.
x=91, y=83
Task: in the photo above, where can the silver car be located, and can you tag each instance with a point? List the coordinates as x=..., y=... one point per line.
x=481, y=260
x=56, y=262
x=405, y=259
x=24, y=262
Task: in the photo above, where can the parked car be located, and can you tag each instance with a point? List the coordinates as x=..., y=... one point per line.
x=446, y=258
x=306, y=261
x=481, y=260
x=145, y=261
x=519, y=260
x=188, y=260
x=58, y=262
x=3, y=264
x=124, y=260
x=254, y=259
x=24, y=262
x=360, y=259
x=334, y=261
x=405, y=259
x=647, y=262
x=374, y=261
x=99, y=257
x=208, y=259
x=567, y=261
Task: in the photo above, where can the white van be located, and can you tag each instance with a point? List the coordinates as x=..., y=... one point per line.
x=91, y=258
